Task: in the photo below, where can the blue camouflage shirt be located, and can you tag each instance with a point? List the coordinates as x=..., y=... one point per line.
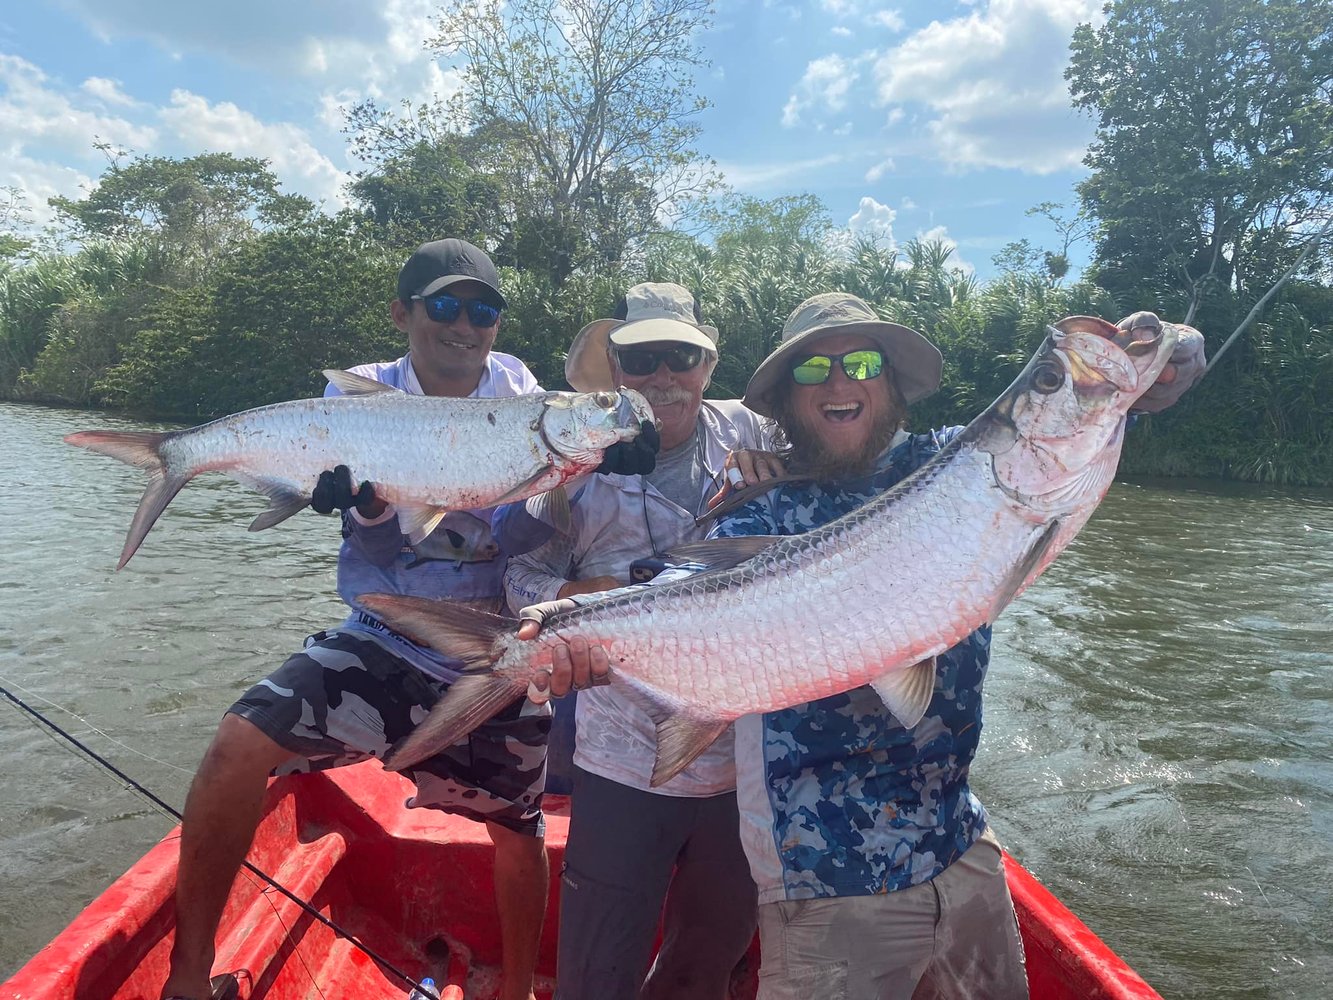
x=837, y=798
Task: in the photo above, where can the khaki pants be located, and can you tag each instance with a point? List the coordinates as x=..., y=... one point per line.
x=953, y=937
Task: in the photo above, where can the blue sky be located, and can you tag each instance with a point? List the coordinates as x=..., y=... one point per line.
x=945, y=119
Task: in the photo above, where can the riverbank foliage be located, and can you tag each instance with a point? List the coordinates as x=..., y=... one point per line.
x=194, y=287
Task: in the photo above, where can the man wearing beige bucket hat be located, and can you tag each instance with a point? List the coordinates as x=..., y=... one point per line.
x=633, y=848
x=876, y=871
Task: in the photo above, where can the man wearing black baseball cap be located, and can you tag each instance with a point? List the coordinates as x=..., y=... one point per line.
x=301, y=717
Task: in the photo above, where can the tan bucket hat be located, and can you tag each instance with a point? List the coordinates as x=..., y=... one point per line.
x=915, y=362
x=654, y=311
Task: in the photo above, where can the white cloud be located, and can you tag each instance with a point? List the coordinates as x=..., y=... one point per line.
x=35, y=113
x=47, y=132
x=907, y=204
x=841, y=31
x=891, y=19
x=824, y=85
x=873, y=221
x=879, y=170
x=349, y=49
x=992, y=84
x=108, y=91
x=940, y=234
x=196, y=125
x=757, y=178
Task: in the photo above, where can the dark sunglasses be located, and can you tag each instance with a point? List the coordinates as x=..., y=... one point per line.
x=641, y=361
x=444, y=308
x=856, y=365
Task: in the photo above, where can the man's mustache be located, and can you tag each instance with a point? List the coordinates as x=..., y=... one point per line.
x=665, y=397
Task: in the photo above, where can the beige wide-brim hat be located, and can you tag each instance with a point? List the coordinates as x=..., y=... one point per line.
x=914, y=361
x=654, y=312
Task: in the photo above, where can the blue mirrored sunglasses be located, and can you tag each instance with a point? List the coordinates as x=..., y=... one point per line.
x=444, y=308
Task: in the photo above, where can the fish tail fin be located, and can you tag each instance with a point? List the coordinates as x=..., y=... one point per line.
x=449, y=626
x=469, y=701
x=466, y=634
x=144, y=450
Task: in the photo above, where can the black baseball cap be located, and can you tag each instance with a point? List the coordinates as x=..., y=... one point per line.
x=437, y=265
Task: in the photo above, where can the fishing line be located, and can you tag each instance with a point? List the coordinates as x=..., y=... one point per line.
x=171, y=811
x=100, y=732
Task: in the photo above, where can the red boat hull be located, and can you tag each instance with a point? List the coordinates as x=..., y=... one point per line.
x=414, y=885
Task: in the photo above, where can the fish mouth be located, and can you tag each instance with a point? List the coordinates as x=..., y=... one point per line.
x=841, y=413
x=1097, y=352
x=632, y=409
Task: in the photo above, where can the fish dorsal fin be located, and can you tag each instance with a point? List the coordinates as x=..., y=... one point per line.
x=1013, y=583
x=416, y=521
x=283, y=502
x=551, y=507
x=718, y=554
x=907, y=693
x=351, y=384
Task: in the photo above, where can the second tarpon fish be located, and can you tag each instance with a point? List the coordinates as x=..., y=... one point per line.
x=870, y=598
x=426, y=455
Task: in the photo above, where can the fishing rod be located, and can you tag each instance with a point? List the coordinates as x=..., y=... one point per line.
x=147, y=793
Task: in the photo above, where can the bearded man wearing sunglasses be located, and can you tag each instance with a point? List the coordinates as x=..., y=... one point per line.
x=877, y=873
x=632, y=848
x=354, y=689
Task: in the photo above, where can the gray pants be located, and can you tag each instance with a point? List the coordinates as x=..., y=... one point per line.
x=623, y=847
x=953, y=937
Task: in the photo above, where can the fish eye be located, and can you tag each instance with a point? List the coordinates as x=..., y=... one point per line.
x=1048, y=377
x=604, y=399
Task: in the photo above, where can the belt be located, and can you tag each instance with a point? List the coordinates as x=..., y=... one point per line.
x=370, y=621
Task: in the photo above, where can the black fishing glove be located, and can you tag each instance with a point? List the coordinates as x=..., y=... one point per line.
x=334, y=492
x=633, y=458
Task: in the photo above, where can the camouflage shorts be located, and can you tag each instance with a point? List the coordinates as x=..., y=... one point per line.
x=345, y=698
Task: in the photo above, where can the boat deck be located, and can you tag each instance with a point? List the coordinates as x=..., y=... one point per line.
x=416, y=886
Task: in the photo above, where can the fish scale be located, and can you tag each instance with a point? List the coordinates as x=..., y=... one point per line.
x=759, y=614
x=424, y=454
x=870, y=598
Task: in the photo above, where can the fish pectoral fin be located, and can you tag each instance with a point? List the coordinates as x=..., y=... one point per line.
x=524, y=489
x=680, y=739
x=718, y=554
x=469, y=701
x=417, y=521
x=351, y=384
x=1013, y=583
x=283, y=502
x=552, y=507
x=907, y=693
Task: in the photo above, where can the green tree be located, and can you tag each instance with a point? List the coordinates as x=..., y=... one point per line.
x=196, y=209
x=585, y=109
x=1213, y=156
x=15, y=218
x=283, y=306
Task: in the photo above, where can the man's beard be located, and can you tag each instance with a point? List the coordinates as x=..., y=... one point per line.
x=810, y=455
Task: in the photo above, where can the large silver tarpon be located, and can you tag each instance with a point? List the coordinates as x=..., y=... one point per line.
x=424, y=454
x=870, y=598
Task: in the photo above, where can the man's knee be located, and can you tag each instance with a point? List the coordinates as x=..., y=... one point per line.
x=519, y=848
x=241, y=747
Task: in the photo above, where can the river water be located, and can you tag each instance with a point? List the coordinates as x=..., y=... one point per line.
x=1159, y=716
